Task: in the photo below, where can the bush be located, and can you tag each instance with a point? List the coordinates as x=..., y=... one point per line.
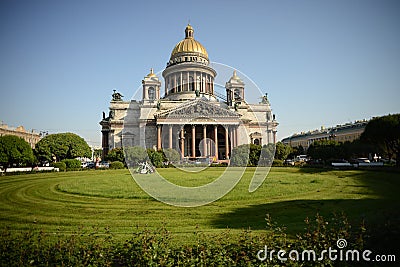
x=171, y=155
x=72, y=164
x=222, y=164
x=277, y=163
x=60, y=165
x=156, y=157
x=116, y=154
x=154, y=248
x=116, y=165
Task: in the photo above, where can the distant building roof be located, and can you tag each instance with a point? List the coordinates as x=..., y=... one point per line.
x=340, y=127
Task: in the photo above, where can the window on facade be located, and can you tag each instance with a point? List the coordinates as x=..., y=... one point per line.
x=152, y=93
x=256, y=141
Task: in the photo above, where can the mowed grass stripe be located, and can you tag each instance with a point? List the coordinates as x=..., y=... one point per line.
x=63, y=202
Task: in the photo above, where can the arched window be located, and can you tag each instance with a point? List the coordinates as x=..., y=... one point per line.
x=238, y=95
x=256, y=141
x=152, y=93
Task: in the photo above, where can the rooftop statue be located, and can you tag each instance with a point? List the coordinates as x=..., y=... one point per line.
x=264, y=99
x=116, y=96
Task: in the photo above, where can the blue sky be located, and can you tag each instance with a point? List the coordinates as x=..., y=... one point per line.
x=322, y=62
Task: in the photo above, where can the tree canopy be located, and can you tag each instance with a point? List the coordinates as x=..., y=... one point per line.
x=384, y=132
x=62, y=146
x=135, y=155
x=171, y=155
x=326, y=150
x=253, y=155
x=156, y=157
x=15, y=150
x=116, y=154
x=282, y=151
x=240, y=155
x=267, y=155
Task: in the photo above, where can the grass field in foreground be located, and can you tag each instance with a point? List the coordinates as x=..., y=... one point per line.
x=62, y=203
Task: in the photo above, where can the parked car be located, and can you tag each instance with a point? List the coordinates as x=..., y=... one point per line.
x=90, y=165
x=289, y=162
x=301, y=158
x=103, y=164
x=363, y=160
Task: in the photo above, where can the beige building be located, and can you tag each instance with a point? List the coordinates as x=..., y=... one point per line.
x=31, y=137
x=189, y=116
x=341, y=133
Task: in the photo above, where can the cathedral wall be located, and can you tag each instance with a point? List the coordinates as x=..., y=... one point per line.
x=131, y=125
x=243, y=135
x=150, y=136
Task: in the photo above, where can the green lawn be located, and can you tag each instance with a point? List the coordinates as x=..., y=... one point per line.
x=62, y=203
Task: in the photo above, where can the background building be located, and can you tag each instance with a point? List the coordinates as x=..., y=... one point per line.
x=190, y=117
x=341, y=133
x=31, y=137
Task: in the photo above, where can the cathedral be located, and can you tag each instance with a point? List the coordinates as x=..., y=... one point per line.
x=190, y=117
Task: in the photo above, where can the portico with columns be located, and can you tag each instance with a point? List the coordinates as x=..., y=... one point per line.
x=198, y=129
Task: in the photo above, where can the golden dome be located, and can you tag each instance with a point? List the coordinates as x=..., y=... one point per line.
x=189, y=45
x=235, y=77
x=151, y=74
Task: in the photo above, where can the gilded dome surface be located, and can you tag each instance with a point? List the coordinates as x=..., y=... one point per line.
x=189, y=45
x=151, y=74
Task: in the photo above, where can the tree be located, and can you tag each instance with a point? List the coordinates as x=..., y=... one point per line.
x=240, y=155
x=267, y=155
x=156, y=157
x=135, y=155
x=296, y=151
x=384, y=133
x=15, y=150
x=282, y=151
x=116, y=154
x=62, y=146
x=326, y=150
x=171, y=155
x=97, y=153
x=358, y=149
x=254, y=156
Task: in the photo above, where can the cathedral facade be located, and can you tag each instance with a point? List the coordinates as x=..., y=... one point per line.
x=189, y=117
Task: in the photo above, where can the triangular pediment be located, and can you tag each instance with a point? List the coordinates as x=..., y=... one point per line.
x=196, y=109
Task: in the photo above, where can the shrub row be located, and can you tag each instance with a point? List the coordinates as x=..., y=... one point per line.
x=60, y=165
x=116, y=165
x=67, y=164
x=147, y=248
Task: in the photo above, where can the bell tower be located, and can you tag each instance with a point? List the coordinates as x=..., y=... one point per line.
x=234, y=90
x=151, y=87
